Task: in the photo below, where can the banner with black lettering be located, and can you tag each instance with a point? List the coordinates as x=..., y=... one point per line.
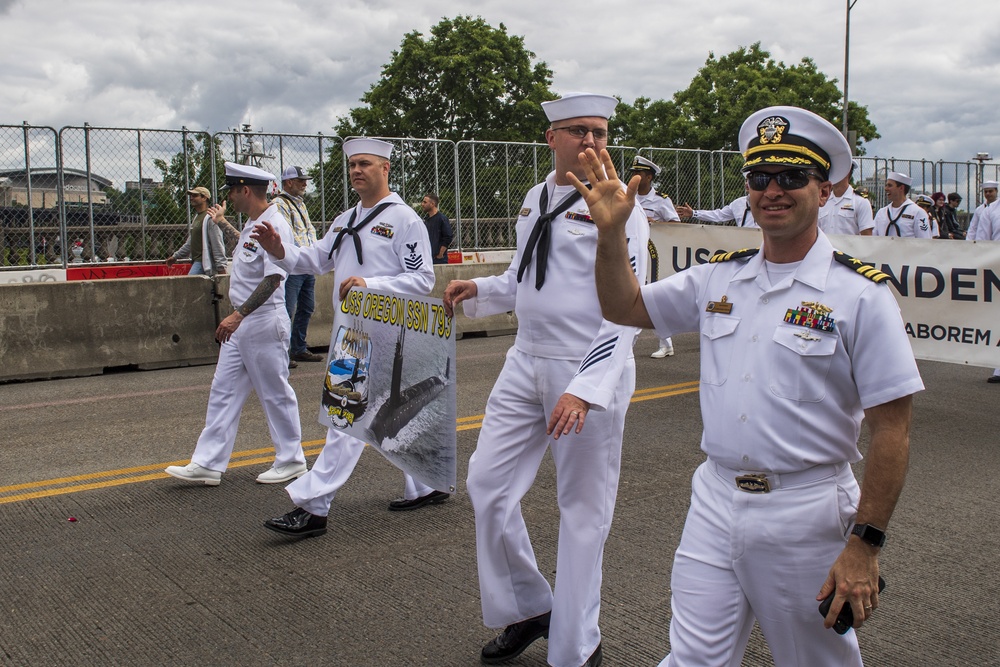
x=390, y=381
x=948, y=291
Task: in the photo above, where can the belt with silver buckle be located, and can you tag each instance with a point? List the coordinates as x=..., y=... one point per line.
x=753, y=483
x=766, y=482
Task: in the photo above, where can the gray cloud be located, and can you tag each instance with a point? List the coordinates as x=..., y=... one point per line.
x=296, y=65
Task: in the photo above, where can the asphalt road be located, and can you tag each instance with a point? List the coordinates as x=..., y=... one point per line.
x=156, y=572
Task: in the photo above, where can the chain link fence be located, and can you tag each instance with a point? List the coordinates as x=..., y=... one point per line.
x=30, y=221
x=493, y=178
x=124, y=191
x=88, y=194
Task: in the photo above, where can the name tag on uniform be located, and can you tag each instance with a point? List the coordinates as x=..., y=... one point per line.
x=525, y=212
x=724, y=306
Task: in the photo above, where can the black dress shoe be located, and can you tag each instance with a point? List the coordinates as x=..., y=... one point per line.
x=993, y=379
x=298, y=523
x=596, y=658
x=432, y=498
x=307, y=356
x=515, y=638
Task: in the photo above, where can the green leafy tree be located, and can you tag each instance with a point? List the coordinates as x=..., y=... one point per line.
x=469, y=80
x=709, y=112
x=192, y=167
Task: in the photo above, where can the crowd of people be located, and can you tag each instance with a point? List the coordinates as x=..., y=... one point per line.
x=793, y=332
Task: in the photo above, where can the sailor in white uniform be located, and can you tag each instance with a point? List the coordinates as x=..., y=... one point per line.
x=901, y=217
x=736, y=212
x=565, y=387
x=799, y=344
x=254, y=338
x=659, y=209
x=381, y=244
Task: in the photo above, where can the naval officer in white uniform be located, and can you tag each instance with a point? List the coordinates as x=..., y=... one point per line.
x=846, y=212
x=254, y=338
x=989, y=189
x=565, y=387
x=381, y=244
x=799, y=344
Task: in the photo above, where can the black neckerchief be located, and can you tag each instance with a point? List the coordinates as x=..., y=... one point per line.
x=893, y=222
x=745, y=211
x=352, y=231
x=541, y=235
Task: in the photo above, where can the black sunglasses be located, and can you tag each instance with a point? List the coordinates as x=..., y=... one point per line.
x=790, y=179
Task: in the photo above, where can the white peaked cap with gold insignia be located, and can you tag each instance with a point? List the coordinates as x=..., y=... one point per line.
x=640, y=163
x=377, y=147
x=794, y=137
x=245, y=174
x=580, y=105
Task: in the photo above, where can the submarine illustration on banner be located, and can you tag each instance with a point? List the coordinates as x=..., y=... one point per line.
x=403, y=405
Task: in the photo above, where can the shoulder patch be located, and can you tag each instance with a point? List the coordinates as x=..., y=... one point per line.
x=867, y=270
x=662, y=195
x=735, y=254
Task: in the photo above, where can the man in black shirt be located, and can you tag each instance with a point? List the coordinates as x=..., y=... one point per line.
x=438, y=228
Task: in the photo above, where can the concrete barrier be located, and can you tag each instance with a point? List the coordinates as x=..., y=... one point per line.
x=69, y=329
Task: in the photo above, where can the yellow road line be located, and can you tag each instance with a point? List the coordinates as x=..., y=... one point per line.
x=75, y=483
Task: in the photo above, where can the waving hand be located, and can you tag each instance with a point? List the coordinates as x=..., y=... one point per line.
x=609, y=204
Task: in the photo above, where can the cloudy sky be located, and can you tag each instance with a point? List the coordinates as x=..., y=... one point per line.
x=928, y=71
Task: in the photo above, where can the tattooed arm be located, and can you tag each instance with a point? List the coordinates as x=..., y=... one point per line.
x=260, y=295
x=218, y=215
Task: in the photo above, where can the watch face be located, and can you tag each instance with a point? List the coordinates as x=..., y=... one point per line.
x=870, y=534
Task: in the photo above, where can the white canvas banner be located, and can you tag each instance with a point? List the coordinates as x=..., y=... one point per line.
x=948, y=291
x=390, y=381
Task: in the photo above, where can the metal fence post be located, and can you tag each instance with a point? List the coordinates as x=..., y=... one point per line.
x=322, y=180
x=31, y=202
x=61, y=198
x=142, y=193
x=187, y=173
x=458, y=197
x=90, y=194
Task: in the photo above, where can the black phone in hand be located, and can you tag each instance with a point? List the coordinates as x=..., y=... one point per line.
x=845, y=619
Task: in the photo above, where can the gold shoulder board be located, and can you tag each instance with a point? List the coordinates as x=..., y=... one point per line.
x=735, y=254
x=867, y=270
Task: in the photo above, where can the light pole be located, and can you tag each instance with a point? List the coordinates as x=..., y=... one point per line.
x=847, y=57
x=981, y=157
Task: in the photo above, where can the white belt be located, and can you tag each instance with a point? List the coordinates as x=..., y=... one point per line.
x=765, y=482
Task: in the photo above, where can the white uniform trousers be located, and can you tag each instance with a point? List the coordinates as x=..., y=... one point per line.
x=501, y=471
x=256, y=357
x=744, y=556
x=315, y=490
